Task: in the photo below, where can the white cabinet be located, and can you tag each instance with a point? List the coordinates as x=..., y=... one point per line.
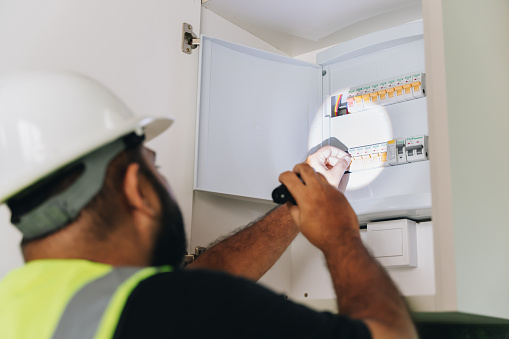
x=260, y=114
x=460, y=275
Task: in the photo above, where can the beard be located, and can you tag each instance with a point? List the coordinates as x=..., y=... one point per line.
x=170, y=239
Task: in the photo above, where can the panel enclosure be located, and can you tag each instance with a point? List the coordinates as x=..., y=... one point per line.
x=384, y=193
x=465, y=252
x=402, y=191
x=260, y=113
x=257, y=114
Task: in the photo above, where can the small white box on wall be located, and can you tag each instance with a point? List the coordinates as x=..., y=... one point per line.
x=393, y=243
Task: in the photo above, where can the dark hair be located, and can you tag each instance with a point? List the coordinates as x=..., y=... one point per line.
x=108, y=204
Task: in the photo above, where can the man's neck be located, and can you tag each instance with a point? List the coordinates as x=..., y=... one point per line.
x=70, y=243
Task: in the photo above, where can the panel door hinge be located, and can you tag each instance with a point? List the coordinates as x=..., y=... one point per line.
x=190, y=40
x=189, y=258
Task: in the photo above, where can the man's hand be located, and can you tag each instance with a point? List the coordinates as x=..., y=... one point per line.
x=363, y=289
x=322, y=213
x=332, y=163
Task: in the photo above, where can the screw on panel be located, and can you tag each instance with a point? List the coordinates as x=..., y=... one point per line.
x=305, y=295
x=189, y=26
x=324, y=72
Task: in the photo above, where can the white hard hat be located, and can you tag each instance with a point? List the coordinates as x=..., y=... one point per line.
x=49, y=119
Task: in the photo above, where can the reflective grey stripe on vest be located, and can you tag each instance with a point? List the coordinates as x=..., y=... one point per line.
x=84, y=312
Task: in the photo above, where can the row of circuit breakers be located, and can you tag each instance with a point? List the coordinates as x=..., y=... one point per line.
x=390, y=153
x=383, y=93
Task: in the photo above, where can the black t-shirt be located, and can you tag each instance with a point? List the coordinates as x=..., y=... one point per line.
x=206, y=304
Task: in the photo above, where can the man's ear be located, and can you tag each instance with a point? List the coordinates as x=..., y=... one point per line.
x=138, y=191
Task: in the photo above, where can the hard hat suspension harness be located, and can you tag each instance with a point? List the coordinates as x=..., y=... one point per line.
x=61, y=209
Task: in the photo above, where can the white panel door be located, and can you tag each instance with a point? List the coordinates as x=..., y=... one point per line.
x=256, y=115
x=133, y=47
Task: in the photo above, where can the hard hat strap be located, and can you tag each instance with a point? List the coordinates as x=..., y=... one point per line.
x=63, y=208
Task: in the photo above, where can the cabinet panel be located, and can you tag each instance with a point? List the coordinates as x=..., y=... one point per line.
x=389, y=191
x=311, y=280
x=260, y=112
x=255, y=114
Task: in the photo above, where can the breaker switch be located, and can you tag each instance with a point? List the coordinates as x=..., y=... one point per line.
x=391, y=96
x=366, y=157
x=399, y=93
x=374, y=97
x=401, y=152
x=418, y=85
x=366, y=101
x=416, y=148
x=408, y=92
x=382, y=151
x=356, y=163
x=383, y=97
x=358, y=103
x=417, y=90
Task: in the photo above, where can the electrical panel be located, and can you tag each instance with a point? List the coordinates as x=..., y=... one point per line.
x=260, y=114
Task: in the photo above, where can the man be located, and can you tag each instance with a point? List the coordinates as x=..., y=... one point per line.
x=103, y=237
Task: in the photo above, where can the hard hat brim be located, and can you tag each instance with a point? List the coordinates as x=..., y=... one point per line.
x=149, y=126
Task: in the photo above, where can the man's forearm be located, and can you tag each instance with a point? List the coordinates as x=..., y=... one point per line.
x=365, y=291
x=252, y=251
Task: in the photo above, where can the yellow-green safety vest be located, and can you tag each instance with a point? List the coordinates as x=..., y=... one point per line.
x=67, y=298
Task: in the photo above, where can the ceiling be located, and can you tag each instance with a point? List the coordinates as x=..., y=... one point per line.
x=300, y=26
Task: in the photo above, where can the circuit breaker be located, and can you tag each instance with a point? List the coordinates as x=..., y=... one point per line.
x=417, y=148
x=390, y=153
x=384, y=92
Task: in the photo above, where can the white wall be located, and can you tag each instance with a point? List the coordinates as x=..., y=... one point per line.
x=477, y=61
x=131, y=46
x=10, y=255
x=467, y=51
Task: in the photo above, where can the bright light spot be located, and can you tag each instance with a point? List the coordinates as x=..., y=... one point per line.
x=361, y=179
x=353, y=130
